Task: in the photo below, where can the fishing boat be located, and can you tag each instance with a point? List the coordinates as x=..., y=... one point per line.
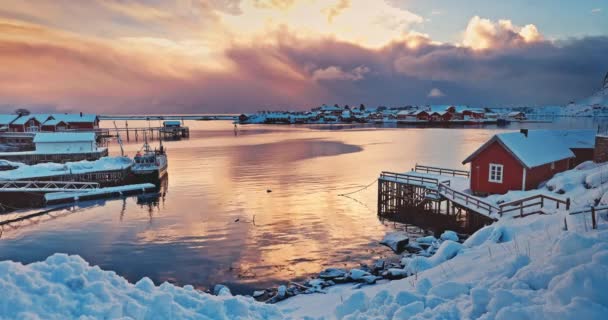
x=150, y=165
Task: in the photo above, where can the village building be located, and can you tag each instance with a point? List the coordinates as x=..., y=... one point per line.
x=53, y=125
x=25, y=123
x=79, y=121
x=65, y=142
x=6, y=120
x=516, y=115
x=523, y=160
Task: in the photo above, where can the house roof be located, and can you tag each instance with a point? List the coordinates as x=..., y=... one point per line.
x=46, y=137
x=53, y=122
x=23, y=119
x=538, y=148
x=76, y=117
x=7, y=118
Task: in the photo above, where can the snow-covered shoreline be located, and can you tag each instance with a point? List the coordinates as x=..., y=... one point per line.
x=516, y=268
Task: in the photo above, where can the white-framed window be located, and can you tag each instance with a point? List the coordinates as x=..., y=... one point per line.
x=496, y=173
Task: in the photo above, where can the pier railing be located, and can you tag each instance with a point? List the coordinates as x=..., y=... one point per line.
x=44, y=186
x=441, y=171
x=593, y=212
x=467, y=200
x=411, y=179
x=536, y=202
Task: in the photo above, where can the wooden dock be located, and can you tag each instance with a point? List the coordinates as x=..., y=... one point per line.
x=428, y=196
x=138, y=133
x=428, y=200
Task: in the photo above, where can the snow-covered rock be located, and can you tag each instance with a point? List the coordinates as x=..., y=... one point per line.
x=397, y=241
x=449, y=235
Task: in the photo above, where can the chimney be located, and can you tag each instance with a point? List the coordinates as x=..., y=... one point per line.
x=524, y=132
x=81, y=114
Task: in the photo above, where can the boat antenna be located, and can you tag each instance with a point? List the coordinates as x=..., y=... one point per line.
x=119, y=139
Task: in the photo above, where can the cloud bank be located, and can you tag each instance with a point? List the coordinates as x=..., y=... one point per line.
x=239, y=56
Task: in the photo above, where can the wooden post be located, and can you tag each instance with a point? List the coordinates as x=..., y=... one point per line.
x=568, y=204
x=565, y=225
x=521, y=209
x=127, y=128
x=542, y=201
x=593, y=221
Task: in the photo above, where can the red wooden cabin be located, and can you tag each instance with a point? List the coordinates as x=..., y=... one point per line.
x=517, y=161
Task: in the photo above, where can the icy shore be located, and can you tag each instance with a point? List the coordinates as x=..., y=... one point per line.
x=517, y=268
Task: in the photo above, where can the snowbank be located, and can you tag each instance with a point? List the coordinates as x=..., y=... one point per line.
x=53, y=169
x=543, y=272
x=66, y=287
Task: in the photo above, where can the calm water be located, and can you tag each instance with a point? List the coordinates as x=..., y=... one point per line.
x=218, y=224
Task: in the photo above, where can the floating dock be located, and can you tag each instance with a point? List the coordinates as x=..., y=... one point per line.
x=100, y=193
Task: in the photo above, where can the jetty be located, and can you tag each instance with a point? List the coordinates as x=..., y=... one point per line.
x=171, y=130
x=428, y=196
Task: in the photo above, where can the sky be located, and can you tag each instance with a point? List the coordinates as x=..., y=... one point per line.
x=230, y=56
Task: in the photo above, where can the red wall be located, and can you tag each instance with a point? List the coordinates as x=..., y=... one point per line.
x=582, y=155
x=537, y=175
x=82, y=125
x=480, y=170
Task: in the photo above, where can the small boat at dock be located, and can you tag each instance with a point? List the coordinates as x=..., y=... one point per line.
x=150, y=165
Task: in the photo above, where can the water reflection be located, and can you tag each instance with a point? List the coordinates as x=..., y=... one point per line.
x=218, y=223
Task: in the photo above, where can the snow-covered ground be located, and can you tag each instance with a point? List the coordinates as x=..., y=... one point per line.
x=52, y=169
x=517, y=268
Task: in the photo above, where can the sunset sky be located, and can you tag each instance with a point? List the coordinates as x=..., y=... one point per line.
x=196, y=56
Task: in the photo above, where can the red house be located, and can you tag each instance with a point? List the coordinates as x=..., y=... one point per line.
x=27, y=123
x=54, y=125
x=517, y=161
x=421, y=115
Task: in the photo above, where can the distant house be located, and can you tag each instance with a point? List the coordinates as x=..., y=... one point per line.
x=65, y=142
x=6, y=120
x=79, y=121
x=422, y=115
x=54, y=125
x=518, y=161
x=25, y=123
x=516, y=115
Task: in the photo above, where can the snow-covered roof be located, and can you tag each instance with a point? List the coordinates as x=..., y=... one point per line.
x=46, y=137
x=23, y=119
x=330, y=108
x=76, y=117
x=53, y=122
x=7, y=118
x=539, y=147
x=514, y=113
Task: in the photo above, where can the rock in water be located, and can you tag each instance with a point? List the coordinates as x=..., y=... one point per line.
x=221, y=290
x=332, y=273
x=397, y=241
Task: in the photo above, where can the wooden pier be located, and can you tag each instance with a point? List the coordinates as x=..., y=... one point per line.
x=429, y=201
x=427, y=197
x=138, y=133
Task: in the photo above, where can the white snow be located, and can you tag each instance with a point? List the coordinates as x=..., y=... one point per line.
x=517, y=268
x=52, y=169
x=67, y=287
x=56, y=137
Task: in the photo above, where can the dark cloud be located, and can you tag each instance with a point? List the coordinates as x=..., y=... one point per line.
x=77, y=73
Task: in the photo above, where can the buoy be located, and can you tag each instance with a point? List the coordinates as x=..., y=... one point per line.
x=268, y=191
